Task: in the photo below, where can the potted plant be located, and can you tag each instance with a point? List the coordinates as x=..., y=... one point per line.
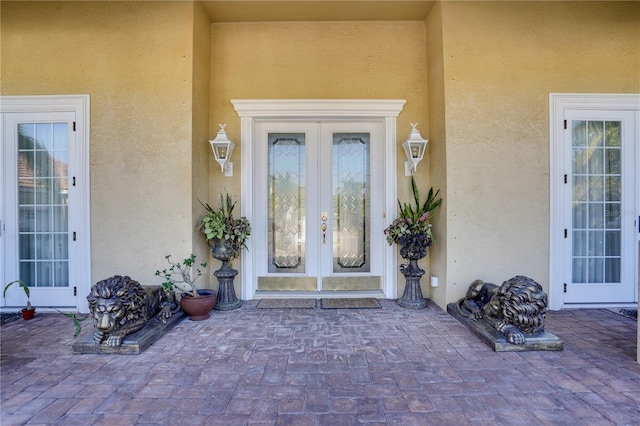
x=412, y=231
x=29, y=311
x=180, y=277
x=227, y=237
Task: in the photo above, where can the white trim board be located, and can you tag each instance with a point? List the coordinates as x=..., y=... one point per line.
x=250, y=110
x=80, y=105
x=559, y=104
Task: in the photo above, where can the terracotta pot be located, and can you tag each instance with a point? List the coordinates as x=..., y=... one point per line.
x=28, y=314
x=198, y=308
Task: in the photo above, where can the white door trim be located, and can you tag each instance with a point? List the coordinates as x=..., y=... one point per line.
x=324, y=109
x=80, y=105
x=559, y=103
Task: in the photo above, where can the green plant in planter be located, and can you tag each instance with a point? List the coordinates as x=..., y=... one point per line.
x=219, y=224
x=25, y=287
x=181, y=276
x=413, y=221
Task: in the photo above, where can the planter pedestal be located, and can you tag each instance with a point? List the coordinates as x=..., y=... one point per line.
x=227, y=299
x=412, y=296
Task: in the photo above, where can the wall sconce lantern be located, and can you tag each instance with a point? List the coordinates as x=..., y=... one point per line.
x=222, y=148
x=414, y=147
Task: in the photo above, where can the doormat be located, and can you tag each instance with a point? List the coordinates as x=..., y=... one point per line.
x=626, y=312
x=361, y=303
x=287, y=304
x=6, y=317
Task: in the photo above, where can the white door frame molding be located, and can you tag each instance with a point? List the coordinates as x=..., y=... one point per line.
x=80, y=105
x=559, y=104
x=386, y=110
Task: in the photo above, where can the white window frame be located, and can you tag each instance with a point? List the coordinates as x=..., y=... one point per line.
x=559, y=103
x=324, y=109
x=80, y=105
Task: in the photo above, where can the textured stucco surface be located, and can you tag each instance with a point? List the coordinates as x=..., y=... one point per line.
x=318, y=60
x=501, y=61
x=134, y=60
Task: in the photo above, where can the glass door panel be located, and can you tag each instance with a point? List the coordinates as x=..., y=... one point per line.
x=42, y=204
x=596, y=194
x=318, y=192
x=286, y=202
x=351, y=202
x=601, y=193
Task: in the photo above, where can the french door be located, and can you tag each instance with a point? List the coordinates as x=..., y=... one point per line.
x=601, y=196
x=320, y=186
x=44, y=182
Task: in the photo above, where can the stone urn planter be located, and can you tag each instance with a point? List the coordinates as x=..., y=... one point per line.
x=198, y=308
x=412, y=232
x=227, y=299
x=413, y=248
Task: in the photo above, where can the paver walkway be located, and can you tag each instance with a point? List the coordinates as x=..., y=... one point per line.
x=324, y=367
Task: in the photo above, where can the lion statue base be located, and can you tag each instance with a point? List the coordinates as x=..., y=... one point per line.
x=119, y=306
x=509, y=317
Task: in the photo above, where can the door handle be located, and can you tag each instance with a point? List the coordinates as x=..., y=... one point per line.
x=324, y=216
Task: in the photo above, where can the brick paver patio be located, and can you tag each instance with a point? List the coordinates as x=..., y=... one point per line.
x=324, y=367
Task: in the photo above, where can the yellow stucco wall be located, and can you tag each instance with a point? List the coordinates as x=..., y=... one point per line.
x=501, y=61
x=201, y=151
x=134, y=59
x=318, y=60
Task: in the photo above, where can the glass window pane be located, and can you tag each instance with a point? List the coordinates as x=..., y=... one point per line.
x=579, y=243
x=595, y=270
x=580, y=188
x=595, y=133
x=580, y=159
x=43, y=191
x=596, y=161
x=26, y=134
x=596, y=188
x=61, y=246
x=612, y=133
x=579, y=270
x=44, y=274
x=613, y=243
x=44, y=136
x=44, y=247
x=28, y=273
x=614, y=188
x=596, y=216
x=596, y=243
x=60, y=136
x=287, y=202
x=61, y=274
x=612, y=161
x=43, y=220
x=27, y=246
x=27, y=219
x=579, y=136
x=60, y=221
x=579, y=215
x=612, y=270
x=612, y=215
x=351, y=201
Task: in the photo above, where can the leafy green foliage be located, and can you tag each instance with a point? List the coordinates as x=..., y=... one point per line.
x=180, y=276
x=24, y=286
x=220, y=224
x=414, y=219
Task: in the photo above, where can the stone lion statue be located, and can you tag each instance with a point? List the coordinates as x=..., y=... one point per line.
x=516, y=309
x=120, y=306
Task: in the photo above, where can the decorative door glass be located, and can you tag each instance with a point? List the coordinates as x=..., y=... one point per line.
x=596, y=197
x=351, y=202
x=286, y=202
